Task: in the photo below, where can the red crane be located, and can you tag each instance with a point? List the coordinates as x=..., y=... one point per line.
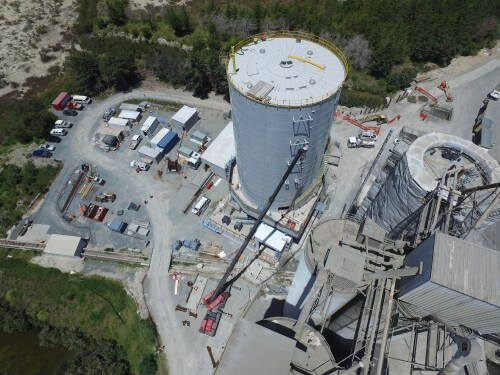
x=219, y=295
x=427, y=94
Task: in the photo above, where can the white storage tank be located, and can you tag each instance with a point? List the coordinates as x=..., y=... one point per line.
x=284, y=89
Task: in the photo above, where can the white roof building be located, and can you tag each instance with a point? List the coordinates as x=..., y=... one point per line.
x=131, y=115
x=158, y=137
x=221, y=151
x=272, y=237
x=118, y=123
x=185, y=118
x=59, y=244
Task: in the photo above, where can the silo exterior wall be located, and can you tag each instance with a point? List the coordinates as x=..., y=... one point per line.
x=397, y=199
x=267, y=138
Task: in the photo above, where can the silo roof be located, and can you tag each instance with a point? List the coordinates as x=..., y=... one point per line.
x=287, y=70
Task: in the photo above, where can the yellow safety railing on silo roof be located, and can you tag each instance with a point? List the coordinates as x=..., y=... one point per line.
x=286, y=34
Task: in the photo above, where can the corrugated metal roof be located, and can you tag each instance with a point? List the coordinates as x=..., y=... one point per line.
x=222, y=149
x=184, y=114
x=466, y=268
x=132, y=115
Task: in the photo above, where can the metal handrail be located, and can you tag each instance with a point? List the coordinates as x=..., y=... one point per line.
x=289, y=34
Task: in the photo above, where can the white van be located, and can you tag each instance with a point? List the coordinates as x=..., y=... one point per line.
x=58, y=132
x=200, y=206
x=81, y=99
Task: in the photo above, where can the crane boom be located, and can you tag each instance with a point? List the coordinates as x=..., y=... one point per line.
x=221, y=286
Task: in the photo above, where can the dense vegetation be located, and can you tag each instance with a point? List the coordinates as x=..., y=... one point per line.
x=386, y=42
x=91, y=315
x=18, y=187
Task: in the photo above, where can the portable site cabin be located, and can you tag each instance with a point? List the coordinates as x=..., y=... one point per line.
x=168, y=142
x=150, y=154
x=117, y=225
x=119, y=123
x=130, y=107
x=185, y=118
x=106, y=130
x=199, y=137
x=221, y=151
x=158, y=137
x=149, y=126
x=185, y=151
x=130, y=115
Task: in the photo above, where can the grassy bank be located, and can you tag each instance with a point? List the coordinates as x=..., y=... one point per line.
x=99, y=307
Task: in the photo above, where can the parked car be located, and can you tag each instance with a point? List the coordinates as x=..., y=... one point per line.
x=108, y=114
x=58, y=132
x=98, y=180
x=70, y=112
x=139, y=164
x=25, y=227
x=53, y=139
x=367, y=135
x=47, y=147
x=495, y=94
x=63, y=124
x=42, y=153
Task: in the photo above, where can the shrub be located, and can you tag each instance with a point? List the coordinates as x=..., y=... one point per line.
x=354, y=98
x=400, y=80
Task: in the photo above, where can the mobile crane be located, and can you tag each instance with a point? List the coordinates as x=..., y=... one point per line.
x=219, y=295
x=445, y=87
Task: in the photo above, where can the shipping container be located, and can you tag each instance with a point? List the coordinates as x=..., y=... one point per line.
x=59, y=103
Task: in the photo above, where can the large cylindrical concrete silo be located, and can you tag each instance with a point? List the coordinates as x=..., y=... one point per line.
x=284, y=90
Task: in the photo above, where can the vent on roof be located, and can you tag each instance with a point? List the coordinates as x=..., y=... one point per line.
x=310, y=52
x=312, y=82
x=298, y=40
x=249, y=85
x=286, y=63
x=262, y=50
x=260, y=90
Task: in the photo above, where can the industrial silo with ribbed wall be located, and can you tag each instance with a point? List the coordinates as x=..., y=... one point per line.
x=284, y=89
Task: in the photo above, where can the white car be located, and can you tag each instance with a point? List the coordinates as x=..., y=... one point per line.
x=59, y=124
x=139, y=164
x=47, y=147
x=495, y=94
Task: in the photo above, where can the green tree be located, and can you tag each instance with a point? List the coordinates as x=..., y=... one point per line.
x=179, y=19
x=148, y=365
x=84, y=71
x=117, y=11
x=117, y=68
x=383, y=60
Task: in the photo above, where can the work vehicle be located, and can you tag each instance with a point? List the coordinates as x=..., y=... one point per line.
x=74, y=105
x=82, y=99
x=46, y=146
x=139, y=165
x=354, y=142
x=106, y=197
x=450, y=154
x=59, y=124
x=495, y=94
x=136, y=139
x=367, y=135
x=380, y=118
x=445, y=87
x=53, y=139
x=70, y=112
x=194, y=161
x=220, y=294
x=108, y=114
x=210, y=323
x=42, y=153
x=98, y=180
x=58, y=132
x=25, y=227
x=200, y=206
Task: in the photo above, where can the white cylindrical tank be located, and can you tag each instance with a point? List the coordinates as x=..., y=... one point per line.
x=284, y=90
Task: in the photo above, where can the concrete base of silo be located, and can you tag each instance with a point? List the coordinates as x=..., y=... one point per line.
x=292, y=221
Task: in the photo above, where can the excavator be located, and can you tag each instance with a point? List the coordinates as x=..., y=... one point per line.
x=216, y=299
x=380, y=118
x=445, y=87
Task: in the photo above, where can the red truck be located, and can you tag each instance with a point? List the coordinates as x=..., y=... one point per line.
x=60, y=102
